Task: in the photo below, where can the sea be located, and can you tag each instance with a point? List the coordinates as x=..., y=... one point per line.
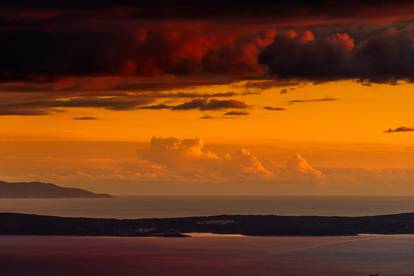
x=208, y=254
x=182, y=206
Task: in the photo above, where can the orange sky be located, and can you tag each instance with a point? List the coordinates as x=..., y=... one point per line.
x=196, y=97
x=342, y=140
x=361, y=114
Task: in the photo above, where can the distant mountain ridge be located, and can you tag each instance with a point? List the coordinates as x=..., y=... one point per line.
x=43, y=190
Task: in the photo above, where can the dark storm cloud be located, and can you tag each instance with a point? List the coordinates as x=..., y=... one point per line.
x=198, y=43
x=384, y=58
x=47, y=56
x=400, y=129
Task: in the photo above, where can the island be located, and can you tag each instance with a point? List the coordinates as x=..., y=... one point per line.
x=43, y=190
x=249, y=225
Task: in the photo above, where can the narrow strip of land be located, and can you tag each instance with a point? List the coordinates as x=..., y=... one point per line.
x=250, y=225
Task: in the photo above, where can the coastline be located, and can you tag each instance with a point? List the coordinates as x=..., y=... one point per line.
x=247, y=225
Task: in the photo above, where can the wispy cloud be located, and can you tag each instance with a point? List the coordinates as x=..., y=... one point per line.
x=272, y=108
x=202, y=105
x=86, y=118
x=326, y=99
x=400, y=129
x=236, y=113
x=208, y=117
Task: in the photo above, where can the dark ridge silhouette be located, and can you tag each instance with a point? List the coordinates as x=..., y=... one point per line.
x=251, y=225
x=43, y=190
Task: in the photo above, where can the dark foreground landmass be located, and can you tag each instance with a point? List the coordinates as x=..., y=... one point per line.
x=43, y=190
x=252, y=225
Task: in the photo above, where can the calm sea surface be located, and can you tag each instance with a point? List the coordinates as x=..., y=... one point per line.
x=202, y=256
x=177, y=206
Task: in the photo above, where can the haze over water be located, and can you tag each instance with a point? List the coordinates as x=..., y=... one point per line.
x=180, y=206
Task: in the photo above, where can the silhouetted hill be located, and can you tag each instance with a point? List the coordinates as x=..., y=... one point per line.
x=254, y=225
x=42, y=190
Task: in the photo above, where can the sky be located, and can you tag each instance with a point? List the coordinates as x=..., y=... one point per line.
x=209, y=97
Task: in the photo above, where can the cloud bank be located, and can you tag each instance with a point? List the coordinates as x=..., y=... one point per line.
x=188, y=166
x=190, y=157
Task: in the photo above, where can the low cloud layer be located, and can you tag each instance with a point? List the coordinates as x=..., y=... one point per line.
x=188, y=166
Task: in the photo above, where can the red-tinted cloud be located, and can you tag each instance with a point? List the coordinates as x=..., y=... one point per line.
x=384, y=57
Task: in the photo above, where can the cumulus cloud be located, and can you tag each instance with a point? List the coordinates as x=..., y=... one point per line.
x=188, y=166
x=190, y=157
x=245, y=162
x=173, y=152
x=300, y=167
x=383, y=57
